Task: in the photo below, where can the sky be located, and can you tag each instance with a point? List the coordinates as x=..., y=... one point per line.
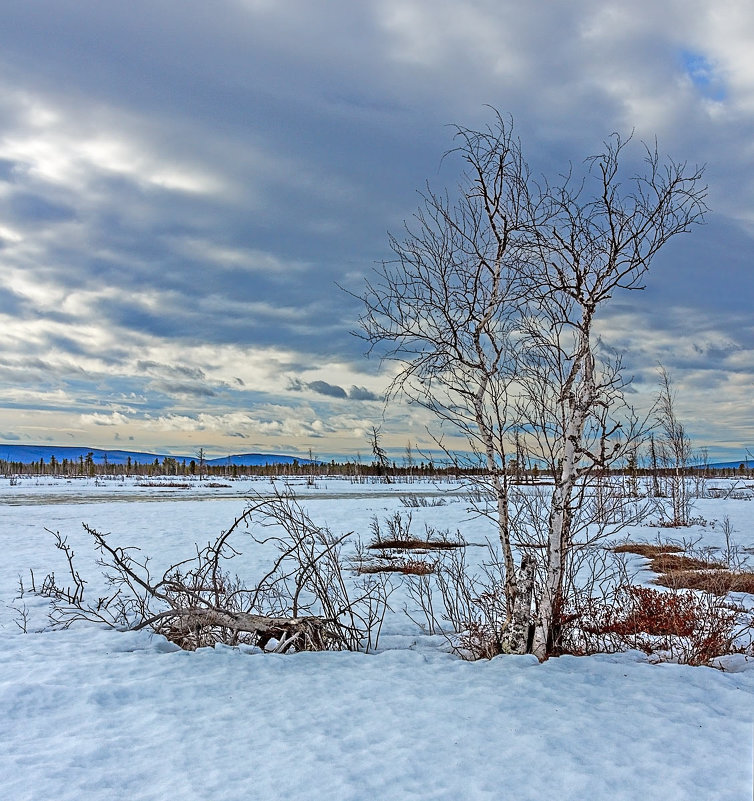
x=187, y=189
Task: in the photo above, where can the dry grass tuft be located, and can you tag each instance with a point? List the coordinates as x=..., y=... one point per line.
x=413, y=567
x=719, y=582
x=164, y=484
x=678, y=571
x=644, y=549
x=674, y=562
x=415, y=545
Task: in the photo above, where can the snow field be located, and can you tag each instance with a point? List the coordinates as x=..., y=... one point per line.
x=95, y=714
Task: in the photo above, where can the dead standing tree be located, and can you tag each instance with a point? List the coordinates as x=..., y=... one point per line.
x=675, y=453
x=489, y=309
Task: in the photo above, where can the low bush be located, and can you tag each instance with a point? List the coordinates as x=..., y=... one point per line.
x=670, y=625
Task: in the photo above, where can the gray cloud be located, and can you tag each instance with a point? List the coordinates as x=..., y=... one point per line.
x=7, y=169
x=320, y=387
x=362, y=393
x=151, y=198
x=332, y=390
x=179, y=370
x=33, y=208
x=323, y=388
x=183, y=388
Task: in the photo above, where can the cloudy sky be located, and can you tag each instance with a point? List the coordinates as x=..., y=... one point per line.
x=182, y=186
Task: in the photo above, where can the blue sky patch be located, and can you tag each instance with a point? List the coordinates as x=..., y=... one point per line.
x=703, y=75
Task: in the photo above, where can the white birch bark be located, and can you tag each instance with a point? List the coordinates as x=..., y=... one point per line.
x=516, y=637
x=578, y=400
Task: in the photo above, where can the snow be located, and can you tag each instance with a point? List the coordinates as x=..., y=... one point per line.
x=96, y=714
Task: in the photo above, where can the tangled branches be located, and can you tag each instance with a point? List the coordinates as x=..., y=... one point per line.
x=303, y=602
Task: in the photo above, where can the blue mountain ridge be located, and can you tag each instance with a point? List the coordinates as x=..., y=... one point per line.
x=33, y=453
x=748, y=464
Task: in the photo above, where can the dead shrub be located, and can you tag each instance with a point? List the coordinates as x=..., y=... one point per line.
x=301, y=601
x=398, y=536
x=654, y=612
x=466, y=606
x=479, y=641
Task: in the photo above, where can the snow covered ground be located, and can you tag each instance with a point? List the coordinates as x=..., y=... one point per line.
x=96, y=714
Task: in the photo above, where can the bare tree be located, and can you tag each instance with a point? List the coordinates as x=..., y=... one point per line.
x=446, y=308
x=675, y=452
x=603, y=232
x=490, y=308
x=381, y=461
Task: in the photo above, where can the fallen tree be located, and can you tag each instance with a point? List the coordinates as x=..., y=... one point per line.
x=303, y=602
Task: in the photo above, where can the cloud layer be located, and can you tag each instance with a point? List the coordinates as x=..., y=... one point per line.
x=183, y=187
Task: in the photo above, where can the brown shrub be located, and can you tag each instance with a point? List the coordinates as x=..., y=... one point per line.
x=676, y=625
x=480, y=641
x=654, y=612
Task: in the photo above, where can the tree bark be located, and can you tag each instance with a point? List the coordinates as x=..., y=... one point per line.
x=516, y=638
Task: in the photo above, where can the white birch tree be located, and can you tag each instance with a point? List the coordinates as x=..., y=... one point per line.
x=489, y=309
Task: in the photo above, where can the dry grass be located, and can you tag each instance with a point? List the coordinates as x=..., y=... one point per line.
x=413, y=567
x=674, y=562
x=678, y=571
x=643, y=549
x=719, y=582
x=415, y=545
x=164, y=484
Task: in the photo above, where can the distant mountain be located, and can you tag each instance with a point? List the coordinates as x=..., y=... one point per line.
x=254, y=459
x=748, y=464
x=33, y=453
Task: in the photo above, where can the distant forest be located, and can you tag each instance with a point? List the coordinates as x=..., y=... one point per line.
x=86, y=466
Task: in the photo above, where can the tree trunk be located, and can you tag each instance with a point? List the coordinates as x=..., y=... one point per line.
x=500, y=484
x=578, y=401
x=297, y=633
x=516, y=637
